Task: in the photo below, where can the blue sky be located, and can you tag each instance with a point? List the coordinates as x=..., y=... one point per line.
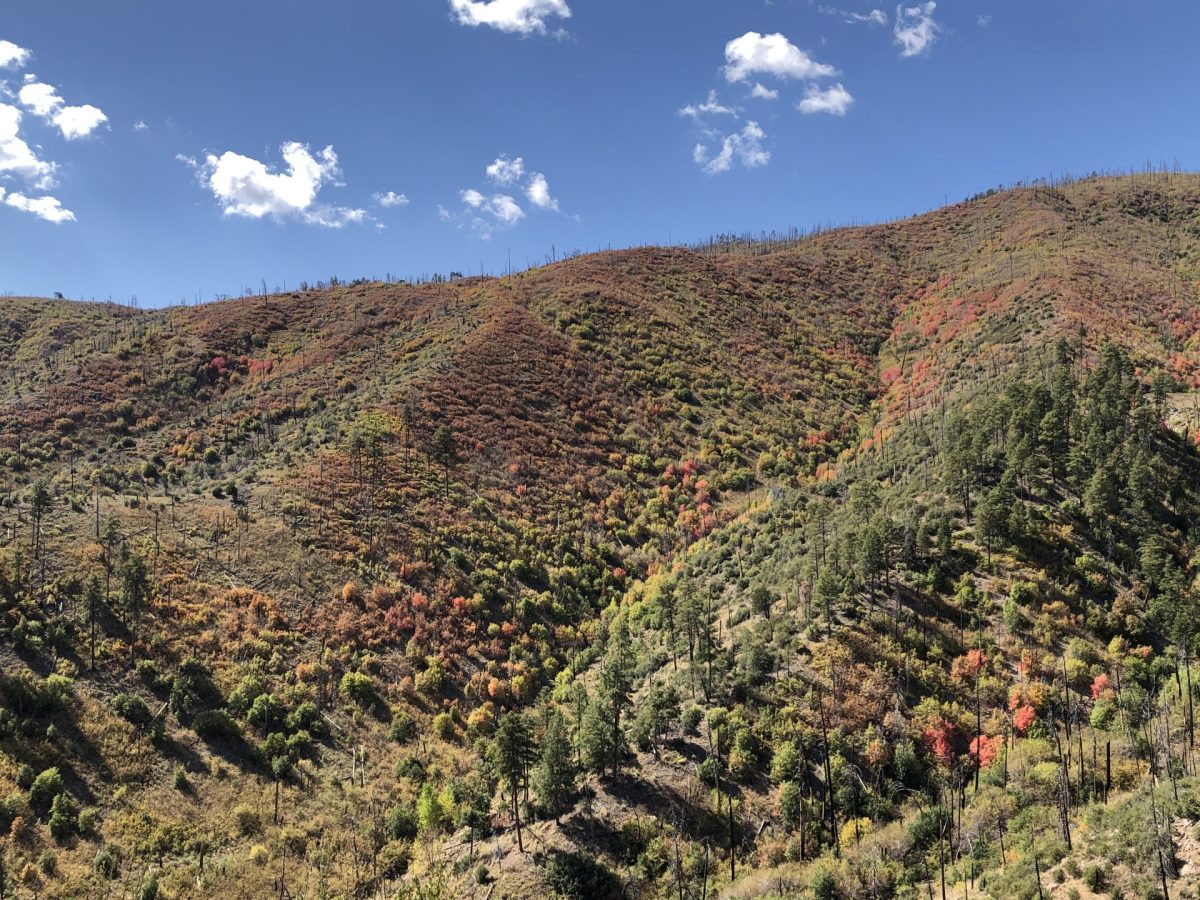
x=175, y=150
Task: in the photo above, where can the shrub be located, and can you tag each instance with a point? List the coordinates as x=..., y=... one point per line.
x=89, y=818
x=131, y=708
x=824, y=886
x=48, y=863
x=245, y=820
x=579, y=877
x=443, y=725
x=400, y=823
x=47, y=786
x=105, y=863
x=394, y=858
x=403, y=729
x=265, y=713
x=360, y=688
x=149, y=889
x=64, y=817
x=216, y=724
x=305, y=717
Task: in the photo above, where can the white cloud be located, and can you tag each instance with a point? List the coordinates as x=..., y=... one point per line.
x=12, y=56
x=247, y=187
x=501, y=207
x=834, y=100
x=390, y=199
x=47, y=208
x=513, y=16
x=760, y=92
x=984, y=21
x=711, y=106
x=874, y=17
x=485, y=213
x=16, y=156
x=538, y=192
x=140, y=126
x=73, y=121
x=506, y=171
x=915, y=28
x=745, y=146
x=771, y=54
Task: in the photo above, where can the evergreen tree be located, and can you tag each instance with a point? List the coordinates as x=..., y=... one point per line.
x=512, y=754
x=554, y=777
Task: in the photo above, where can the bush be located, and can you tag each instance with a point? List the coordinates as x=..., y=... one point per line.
x=48, y=863
x=360, y=688
x=1094, y=877
x=305, y=717
x=149, y=889
x=400, y=823
x=105, y=863
x=245, y=820
x=216, y=724
x=88, y=820
x=131, y=708
x=181, y=780
x=824, y=886
x=265, y=713
x=403, y=729
x=47, y=786
x=579, y=877
x=443, y=725
x=64, y=817
x=394, y=858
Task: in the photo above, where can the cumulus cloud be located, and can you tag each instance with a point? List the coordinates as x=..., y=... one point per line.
x=538, y=192
x=915, y=28
x=744, y=146
x=247, y=187
x=486, y=212
x=16, y=156
x=761, y=92
x=12, y=56
x=506, y=171
x=139, y=125
x=72, y=121
x=391, y=199
x=46, y=207
x=502, y=208
x=513, y=16
x=834, y=100
x=770, y=54
x=711, y=106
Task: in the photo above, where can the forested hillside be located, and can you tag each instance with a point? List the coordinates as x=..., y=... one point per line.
x=858, y=565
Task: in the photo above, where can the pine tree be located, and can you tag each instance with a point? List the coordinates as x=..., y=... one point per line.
x=513, y=751
x=616, y=685
x=554, y=777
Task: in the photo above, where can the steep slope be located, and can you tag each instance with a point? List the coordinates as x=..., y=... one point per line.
x=310, y=515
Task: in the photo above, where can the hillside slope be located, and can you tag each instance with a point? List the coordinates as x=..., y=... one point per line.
x=272, y=570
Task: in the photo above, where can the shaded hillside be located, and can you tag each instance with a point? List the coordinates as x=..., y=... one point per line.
x=314, y=547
